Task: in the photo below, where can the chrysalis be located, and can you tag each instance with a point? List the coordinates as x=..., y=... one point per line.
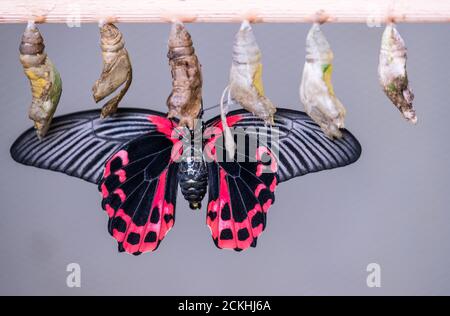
x=116, y=69
x=45, y=80
x=392, y=72
x=246, y=86
x=185, y=101
x=316, y=89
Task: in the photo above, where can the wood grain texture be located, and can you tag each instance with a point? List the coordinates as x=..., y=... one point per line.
x=154, y=11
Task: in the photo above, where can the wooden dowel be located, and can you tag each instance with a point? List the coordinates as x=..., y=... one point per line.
x=154, y=11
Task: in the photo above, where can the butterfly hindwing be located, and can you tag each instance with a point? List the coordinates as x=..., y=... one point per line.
x=240, y=191
x=139, y=188
x=129, y=156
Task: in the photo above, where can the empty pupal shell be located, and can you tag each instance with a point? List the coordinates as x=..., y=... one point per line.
x=116, y=69
x=392, y=72
x=46, y=86
x=246, y=86
x=185, y=101
x=316, y=89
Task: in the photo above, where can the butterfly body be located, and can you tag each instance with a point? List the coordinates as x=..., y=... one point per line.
x=193, y=178
x=139, y=157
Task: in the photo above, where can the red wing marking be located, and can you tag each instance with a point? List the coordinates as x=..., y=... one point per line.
x=267, y=205
x=231, y=120
x=122, y=155
x=121, y=174
x=260, y=153
x=163, y=125
x=273, y=185
x=121, y=194
x=109, y=210
x=213, y=132
x=226, y=231
x=162, y=207
x=259, y=188
x=104, y=191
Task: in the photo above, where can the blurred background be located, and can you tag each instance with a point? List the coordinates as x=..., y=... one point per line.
x=391, y=207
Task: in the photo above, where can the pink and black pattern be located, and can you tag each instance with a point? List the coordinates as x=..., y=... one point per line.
x=139, y=188
x=240, y=192
x=134, y=158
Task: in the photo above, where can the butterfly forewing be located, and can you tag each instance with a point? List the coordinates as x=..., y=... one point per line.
x=298, y=143
x=78, y=144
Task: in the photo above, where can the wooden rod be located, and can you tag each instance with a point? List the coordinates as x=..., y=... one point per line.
x=75, y=12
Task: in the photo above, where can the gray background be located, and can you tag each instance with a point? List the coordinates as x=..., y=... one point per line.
x=391, y=207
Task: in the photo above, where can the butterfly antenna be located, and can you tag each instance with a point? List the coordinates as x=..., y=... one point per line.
x=211, y=108
x=229, y=102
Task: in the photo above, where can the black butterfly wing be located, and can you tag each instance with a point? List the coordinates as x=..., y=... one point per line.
x=78, y=144
x=299, y=143
x=241, y=191
x=128, y=155
x=139, y=190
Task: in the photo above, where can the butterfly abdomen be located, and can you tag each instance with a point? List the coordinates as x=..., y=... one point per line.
x=193, y=179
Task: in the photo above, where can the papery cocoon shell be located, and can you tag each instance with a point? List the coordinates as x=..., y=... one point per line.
x=392, y=72
x=316, y=90
x=46, y=86
x=185, y=101
x=116, y=70
x=246, y=86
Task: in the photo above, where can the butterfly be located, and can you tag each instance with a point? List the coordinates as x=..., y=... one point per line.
x=137, y=159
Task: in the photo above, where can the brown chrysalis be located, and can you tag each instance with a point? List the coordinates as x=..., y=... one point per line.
x=46, y=86
x=116, y=69
x=185, y=101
